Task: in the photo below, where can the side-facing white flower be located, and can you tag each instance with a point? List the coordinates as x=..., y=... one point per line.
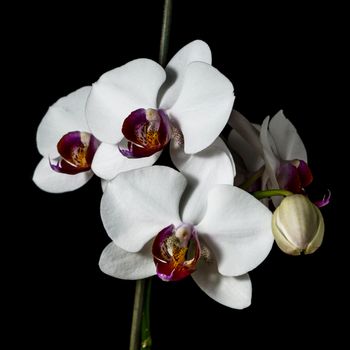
x=66, y=144
x=136, y=109
x=156, y=229
x=275, y=147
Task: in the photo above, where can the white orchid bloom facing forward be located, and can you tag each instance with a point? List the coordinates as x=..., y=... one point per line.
x=136, y=109
x=143, y=212
x=66, y=144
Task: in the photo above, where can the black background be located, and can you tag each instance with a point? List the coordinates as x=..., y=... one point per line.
x=277, y=58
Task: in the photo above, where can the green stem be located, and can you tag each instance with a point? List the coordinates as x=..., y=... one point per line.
x=271, y=193
x=164, y=39
x=136, y=316
x=249, y=182
x=142, y=307
x=146, y=340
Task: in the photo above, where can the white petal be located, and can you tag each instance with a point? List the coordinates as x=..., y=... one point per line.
x=137, y=204
x=51, y=181
x=175, y=70
x=104, y=184
x=237, y=228
x=269, y=179
x=251, y=158
x=288, y=143
x=203, y=106
x=246, y=129
x=244, y=142
x=119, y=263
x=119, y=92
x=214, y=165
x=234, y=292
x=66, y=115
x=108, y=161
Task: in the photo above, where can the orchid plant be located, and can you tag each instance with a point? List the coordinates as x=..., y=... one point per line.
x=209, y=215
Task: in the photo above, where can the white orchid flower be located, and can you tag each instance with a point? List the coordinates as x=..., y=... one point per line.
x=66, y=144
x=189, y=95
x=157, y=228
x=273, y=150
x=136, y=109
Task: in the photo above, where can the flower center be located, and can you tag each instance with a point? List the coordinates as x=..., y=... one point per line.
x=147, y=131
x=76, y=150
x=176, y=252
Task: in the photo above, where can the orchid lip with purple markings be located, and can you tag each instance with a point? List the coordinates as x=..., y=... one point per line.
x=147, y=132
x=76, y=150
x=294, y=176
x=176, y=252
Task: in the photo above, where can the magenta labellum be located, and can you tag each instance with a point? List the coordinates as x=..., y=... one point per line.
x=76, y=150
x=147, y=132
x=176, y=252
x=294, y=176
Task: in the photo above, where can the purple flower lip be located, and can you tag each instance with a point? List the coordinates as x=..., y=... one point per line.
x=176, y=252
x=147, y=132
x=294, y=176
x=76, y=150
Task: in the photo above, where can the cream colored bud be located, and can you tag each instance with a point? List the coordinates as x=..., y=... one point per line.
x=297, y=225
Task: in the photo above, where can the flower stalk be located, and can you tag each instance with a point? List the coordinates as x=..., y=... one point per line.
x=141, y=312
x=270, y=193
x=137, y=315
x=146, y=340
x=164, y=39
x=250, y=182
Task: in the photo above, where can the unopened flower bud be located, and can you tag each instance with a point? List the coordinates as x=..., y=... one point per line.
x=297, y=225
